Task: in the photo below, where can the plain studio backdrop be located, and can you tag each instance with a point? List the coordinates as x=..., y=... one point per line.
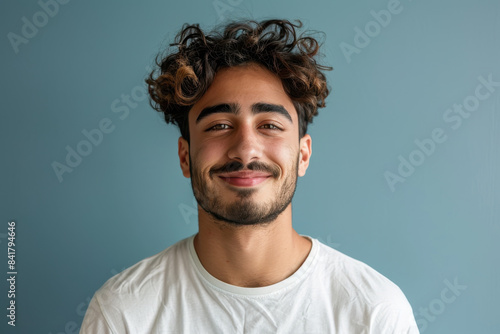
x=404, y=174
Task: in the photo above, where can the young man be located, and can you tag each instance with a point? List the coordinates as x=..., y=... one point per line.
x=242, y=100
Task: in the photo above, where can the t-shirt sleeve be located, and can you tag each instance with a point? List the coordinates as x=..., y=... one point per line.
x=94, y=321
x=394, y=318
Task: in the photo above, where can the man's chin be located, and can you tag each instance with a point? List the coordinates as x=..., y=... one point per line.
x=245, y=213
x=241, y=221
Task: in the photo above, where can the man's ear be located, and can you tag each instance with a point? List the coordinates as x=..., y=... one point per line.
x=305, y=154
x=184, y=156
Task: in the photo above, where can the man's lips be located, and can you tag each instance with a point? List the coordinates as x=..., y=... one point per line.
x=244, y=178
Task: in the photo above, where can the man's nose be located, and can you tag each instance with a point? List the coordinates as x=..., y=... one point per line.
x=245, y=146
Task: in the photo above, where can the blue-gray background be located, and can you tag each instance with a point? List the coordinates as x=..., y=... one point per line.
x=127, y=199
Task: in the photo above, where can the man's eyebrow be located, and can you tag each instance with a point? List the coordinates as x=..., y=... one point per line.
x=269, y=107
x=234, y=108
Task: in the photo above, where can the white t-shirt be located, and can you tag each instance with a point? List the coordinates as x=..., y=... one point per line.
x=171, y=292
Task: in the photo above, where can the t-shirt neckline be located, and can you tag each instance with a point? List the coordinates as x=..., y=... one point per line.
x=296, y=277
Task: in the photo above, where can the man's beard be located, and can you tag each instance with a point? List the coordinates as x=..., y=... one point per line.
x=243, y=210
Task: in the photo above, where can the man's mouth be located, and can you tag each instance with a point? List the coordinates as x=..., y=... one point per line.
x=244, y=178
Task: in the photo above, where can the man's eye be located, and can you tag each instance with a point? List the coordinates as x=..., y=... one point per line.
x=270, y=127
x=218, y=127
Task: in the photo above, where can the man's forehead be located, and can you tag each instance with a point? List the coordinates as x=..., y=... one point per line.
x=235, y=79
x=249, y=86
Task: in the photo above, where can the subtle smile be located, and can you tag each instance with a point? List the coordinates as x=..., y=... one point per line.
x=244, y=178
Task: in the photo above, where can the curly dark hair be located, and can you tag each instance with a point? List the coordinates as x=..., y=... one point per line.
x=184, y=76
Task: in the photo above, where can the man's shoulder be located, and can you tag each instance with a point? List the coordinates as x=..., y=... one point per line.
x=365, y=293
x=148, y=270
x=357, y=279
x=133, y=294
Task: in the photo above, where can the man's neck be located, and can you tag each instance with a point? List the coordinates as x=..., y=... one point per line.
x=250, y=256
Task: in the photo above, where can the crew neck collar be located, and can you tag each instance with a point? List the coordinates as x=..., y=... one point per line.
x=296, y=277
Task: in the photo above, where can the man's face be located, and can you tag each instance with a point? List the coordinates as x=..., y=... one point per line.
x=244, y=154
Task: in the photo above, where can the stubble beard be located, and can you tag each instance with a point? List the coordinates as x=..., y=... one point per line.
x=244, y=210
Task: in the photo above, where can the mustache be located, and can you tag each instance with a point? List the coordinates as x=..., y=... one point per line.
x=235, y=166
